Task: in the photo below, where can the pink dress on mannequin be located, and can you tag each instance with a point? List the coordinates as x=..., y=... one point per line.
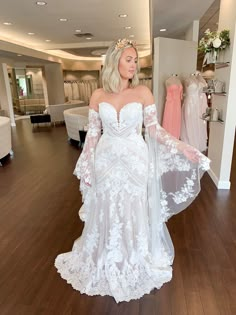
x=172, y=113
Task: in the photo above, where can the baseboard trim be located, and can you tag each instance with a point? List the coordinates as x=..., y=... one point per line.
x=220, y=184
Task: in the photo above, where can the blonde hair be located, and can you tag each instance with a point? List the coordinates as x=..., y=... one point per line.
x=111, y=78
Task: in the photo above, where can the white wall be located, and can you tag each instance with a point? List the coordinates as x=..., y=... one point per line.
x=171, y=56
x=221, y=140
x=5, y=93
x=192, y=33
x=74, y=65
x=55, y=84
x=80, y=75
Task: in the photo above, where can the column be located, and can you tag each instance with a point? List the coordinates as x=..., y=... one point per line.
x=5, y=93
x=53, y=76
x=221, y=139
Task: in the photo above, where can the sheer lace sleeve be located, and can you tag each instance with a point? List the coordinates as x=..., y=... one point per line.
x=175, y=169
x=175, y=146
x=177, y=166
x=84, y=168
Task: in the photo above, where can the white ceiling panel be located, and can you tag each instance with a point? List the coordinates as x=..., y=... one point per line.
x=99, y=17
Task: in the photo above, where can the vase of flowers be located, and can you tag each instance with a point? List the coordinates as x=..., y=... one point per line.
x=212, y=43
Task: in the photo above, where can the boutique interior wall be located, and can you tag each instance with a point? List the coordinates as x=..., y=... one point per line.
x=176, y=56
x=53, y=70
x=221, y=140
x=5, y=91
x=171, y=56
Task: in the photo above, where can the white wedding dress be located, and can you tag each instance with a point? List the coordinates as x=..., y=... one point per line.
x=130, y=188
x=193, y=127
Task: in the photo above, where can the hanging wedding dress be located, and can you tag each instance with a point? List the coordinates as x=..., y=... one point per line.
x=130, y=189
x=203, y=103
x=193, y=128
x=172, y=111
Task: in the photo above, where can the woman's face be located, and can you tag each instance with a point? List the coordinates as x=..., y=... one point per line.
x=128, y=63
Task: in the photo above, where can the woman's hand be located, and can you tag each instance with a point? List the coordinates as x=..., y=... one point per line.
x=191, y=154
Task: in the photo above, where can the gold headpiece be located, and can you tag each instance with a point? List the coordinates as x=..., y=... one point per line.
x=121, y=43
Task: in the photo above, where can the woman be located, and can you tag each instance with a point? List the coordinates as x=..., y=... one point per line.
x=130, y=188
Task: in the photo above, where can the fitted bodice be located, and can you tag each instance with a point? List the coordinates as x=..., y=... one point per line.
x=121, y=144
x=128, y=121
x=194, y=87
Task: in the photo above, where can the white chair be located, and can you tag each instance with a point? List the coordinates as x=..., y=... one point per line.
x=75, y=120
x=56, y=111
x=5, y=137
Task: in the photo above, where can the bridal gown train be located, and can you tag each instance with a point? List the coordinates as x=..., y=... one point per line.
x=130, y=188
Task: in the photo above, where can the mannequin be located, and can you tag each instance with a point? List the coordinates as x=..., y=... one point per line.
x=173, y=79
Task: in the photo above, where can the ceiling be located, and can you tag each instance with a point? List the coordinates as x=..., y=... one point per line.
x=176, y=16
x=101, y=19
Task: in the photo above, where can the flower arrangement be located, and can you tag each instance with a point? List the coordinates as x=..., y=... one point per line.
x=212, y=43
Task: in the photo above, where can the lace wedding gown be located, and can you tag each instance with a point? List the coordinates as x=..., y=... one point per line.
x=130, y=188
x=193, y=128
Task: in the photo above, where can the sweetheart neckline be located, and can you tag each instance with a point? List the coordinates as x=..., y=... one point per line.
x=118, y=112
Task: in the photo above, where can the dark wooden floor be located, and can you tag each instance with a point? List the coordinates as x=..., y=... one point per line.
x=39, y=201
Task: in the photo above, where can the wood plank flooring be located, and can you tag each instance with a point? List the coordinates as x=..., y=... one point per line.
x=39, y=201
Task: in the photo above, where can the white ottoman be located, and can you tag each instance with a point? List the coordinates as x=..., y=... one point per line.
x=5, y=136
x=75, y=120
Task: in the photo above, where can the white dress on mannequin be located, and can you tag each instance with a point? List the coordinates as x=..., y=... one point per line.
x=203, y=98
x=193, y=128
x=130, y=188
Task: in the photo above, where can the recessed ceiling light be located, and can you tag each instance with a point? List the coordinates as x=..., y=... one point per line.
x=41, y=3
x=19, y=55
x=47, y=40
x=163, y=30
x=31, y=33
x=78, y=31
x=63, y=20
x=123, y=15
x=7, y=23
x=88, y=38
x=128, y=27
x=131, y=35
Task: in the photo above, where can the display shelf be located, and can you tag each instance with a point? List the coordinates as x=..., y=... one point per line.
x=215, y=121
x=219, y=65
x=220, y=93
